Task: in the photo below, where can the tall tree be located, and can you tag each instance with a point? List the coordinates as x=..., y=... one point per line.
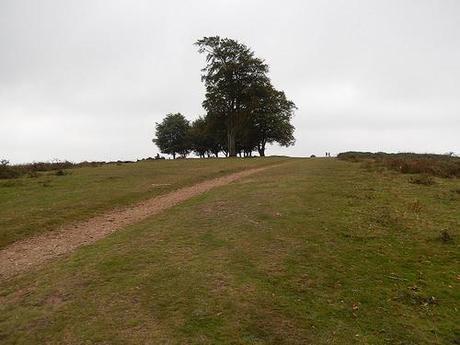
x=231, y=71
x=172, y=135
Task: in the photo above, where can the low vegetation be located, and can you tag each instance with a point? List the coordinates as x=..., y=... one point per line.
x=445, y=166
x=423, y=179
x=8, y=171
x=314, y=251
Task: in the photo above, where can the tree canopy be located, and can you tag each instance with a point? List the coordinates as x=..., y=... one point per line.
x=244, y=111
x=271, y=119
x=230, y=73
x=172, y=135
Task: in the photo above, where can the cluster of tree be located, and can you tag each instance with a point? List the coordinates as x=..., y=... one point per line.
x=244, y=112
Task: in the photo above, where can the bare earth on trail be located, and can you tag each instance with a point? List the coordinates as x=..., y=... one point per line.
x=23, y=255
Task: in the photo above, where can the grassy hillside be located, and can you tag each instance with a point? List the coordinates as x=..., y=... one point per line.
x=29, y=206
x=311, y=252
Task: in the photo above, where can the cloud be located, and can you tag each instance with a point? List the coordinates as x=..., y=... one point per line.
x=88, y=79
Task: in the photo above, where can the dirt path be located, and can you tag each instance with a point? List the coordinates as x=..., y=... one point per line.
x=26, y=254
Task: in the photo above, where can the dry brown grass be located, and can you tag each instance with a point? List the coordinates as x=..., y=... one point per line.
x=445, y=166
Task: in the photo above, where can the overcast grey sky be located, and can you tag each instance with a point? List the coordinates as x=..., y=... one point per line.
x=87, y=80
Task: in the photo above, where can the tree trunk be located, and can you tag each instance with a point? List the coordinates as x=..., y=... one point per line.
x=231, y=142
x=261, y=149
x=231, y=133
x=174, y=155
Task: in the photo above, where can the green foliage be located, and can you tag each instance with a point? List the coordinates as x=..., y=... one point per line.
x=270, y=118
x=244, y=111
x=199, y=137
x=217, y=134
x=172, y=135
x=240, y=95
x=204, y=138
x=230, y=71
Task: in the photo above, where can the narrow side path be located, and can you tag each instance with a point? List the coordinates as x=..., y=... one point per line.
x=26, y=254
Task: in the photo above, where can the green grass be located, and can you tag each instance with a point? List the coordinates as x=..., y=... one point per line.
x=29, y=206
x=311, y=252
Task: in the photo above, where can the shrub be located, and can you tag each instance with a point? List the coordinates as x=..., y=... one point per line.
x=425, y=180
x=409, y=163
x=32, y=174
x=61, y=173
x=445, y=237
x=8, y=171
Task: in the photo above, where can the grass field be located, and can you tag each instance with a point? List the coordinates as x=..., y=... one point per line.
x=29, y=206
x=314, y=251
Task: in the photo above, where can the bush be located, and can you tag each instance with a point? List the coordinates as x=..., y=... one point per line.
x=8, y=171
x=425, y=180
x=408, y=163
x=61, y=173
x=33, y=174
x=445, y=237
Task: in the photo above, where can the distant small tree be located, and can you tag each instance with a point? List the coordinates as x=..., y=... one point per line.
x=172, y=135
